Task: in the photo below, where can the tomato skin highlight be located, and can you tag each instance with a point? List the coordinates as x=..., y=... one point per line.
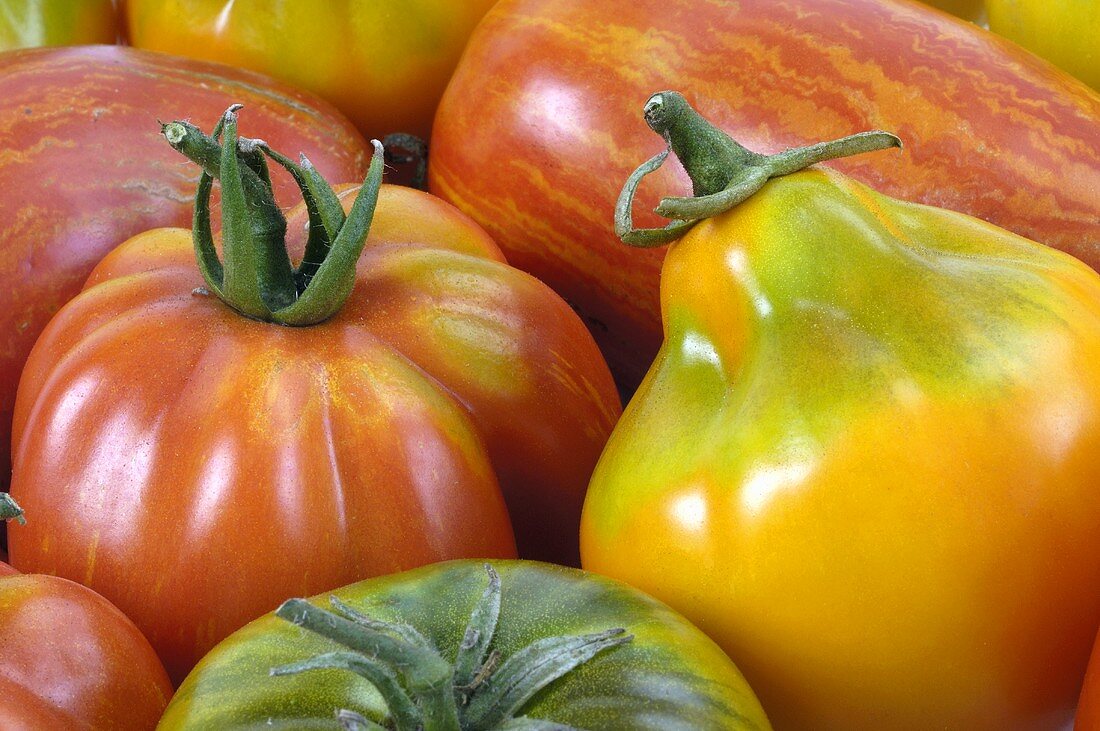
x=989, y=130
x=670, y=676
x=865, y=459
x=89, y=168
x=72, y=660
x=33, y=23
x=173, y=437
x=383, y=63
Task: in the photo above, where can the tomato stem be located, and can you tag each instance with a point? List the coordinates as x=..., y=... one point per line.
x=256, y=277
x=422, y=690
x=723, y=172
x=10, y=510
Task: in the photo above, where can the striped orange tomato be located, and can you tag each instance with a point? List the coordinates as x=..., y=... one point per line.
x=84, y=168
x=535, y=148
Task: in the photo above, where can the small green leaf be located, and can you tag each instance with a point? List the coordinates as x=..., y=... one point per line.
x=530, y=670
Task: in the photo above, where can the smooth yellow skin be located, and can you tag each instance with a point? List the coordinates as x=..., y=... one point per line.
x=967, y=9
x=1065, y=32
x=33, y=23
x=866, y=461
x=383, y=63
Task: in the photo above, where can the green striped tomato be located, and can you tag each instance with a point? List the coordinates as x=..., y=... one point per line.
x=668, y=677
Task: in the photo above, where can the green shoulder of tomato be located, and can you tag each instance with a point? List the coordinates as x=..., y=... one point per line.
x=552, y=646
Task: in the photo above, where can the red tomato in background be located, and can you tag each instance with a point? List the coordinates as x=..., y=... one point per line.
x=383, y=63
x=85, y=168
x=69, y=659
x=542, y=124
x=1088, y=709
x=196, y=467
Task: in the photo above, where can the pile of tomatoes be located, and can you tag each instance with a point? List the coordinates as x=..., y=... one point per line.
x=854, y=484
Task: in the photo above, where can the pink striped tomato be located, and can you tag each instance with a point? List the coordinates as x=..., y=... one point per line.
x=539, y=127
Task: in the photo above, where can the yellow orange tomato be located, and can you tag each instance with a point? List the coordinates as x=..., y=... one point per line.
x=32, y=23
x=1065, y=32
x=383, y=63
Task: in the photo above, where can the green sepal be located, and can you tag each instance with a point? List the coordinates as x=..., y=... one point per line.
x=326, y=215
x=352, y=721
x=530, y=670
x=523, y=723
x=406, y=632
x=10, y=510
x=414, y=679
x=331, y=285
x=244, y=266
x=402, y=710
x=426, y=675
x=472, y=652
x=723, y=173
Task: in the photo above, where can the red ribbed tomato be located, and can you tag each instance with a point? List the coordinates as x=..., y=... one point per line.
x=535, y=148
x=84, y=168
x=195, y=465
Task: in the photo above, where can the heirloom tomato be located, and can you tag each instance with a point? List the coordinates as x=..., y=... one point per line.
x=69, y=659
x=84, y=168
x=535, y=148
x=383, y=63
x=30, y=23
x=865, y=460
x=196, y=460
x=529, y=646
x=1065, y=32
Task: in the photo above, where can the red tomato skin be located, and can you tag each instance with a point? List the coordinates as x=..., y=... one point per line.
x=1088, y=709
x=85, y=167
x=70, y=659
x=989, y=130
x=236, y=463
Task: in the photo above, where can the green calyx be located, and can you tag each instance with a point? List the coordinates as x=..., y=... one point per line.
x=256, y=277
x=723, y=172
x=479, y=691
x=10, y=510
